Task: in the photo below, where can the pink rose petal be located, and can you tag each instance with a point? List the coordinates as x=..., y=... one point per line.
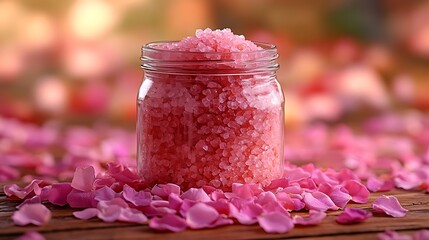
x=79, y=199
x=246, y=190
x=407, y=180
x=163, y=190
x=318, y=201
x=141, y=198
x=83, y=179
x=35, y=199
x=296, y=174
x=109, y=214
x=196, y=194
x=353, y=215
x=31, y=188
x=168, y=222
x=104, y=194
x=221, y=206
x=389, y=205
x=175, y=202
x=392, y=235
x=36, y=214
x=132, y=216
x=31, y=235
x=278, y=183
x=58, y=193
x=376, y=185
x=201, y=216
x=315, y=217
x=339, y=197
x=275, y=222
x=421, y=235
x=86, y=213
x=357, y=190
x=248, y=214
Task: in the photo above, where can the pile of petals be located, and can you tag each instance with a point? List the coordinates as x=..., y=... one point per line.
x=119, y=195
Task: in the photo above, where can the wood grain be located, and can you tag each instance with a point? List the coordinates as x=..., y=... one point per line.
x=64, y=226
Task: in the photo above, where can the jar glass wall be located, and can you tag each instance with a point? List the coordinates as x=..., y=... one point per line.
x=210, y=118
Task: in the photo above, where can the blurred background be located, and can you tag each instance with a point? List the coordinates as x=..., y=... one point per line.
x=78, y=61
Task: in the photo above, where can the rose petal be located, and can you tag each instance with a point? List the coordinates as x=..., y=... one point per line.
x=163, y=190
x=318, y=201
x=248, y=214
x=278, y=183
x=392, y=235
x=245, y=190
x=196, y=194
x=83, y=179
x=339, y=197
x=315, y=217
x=36, y=214
x=31, y=235
x=221, y=206
x=201, y=216
x=353, y=215
x=141, y=198
x=58, y=193
x=389, y=205
x=421, y=235
x=79, y=199
x=104, y=194
x=35, y=199
x=407, y=180
x=15, y=190
x=168, y=222
x=357, y=190
x=132, y=216
x=86, y=213
x=376, y=185
x=275, y=222
x=109, y=214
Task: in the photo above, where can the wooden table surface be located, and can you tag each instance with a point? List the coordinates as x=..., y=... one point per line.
x=64, y=226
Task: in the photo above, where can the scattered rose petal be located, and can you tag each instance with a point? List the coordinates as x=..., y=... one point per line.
x=201, y=216
x=83, y=179
x=35, y=199
x=275, y=222
x=392, y=235
x=315, y=217
x=389, y=205
x=31, y=235
x=163, y=190
x=141, y=198
x=318, y=201
x=58, y=193
x=357, y=190
x=86, y=213
x=196, y=194
x=79, y=199
x=15, y=190
x=168, y=222
x=104, y=194
x=375, y=185
x=353, y=215
x=246, y=190
x=421, y=235
x=36, y=214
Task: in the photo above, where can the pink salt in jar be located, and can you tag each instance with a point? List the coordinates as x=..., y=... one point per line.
x=210, y=118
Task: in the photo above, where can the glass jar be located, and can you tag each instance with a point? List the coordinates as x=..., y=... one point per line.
x=210, y=118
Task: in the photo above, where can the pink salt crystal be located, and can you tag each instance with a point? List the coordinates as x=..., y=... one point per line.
x=36, y=214
x=31, y=235
x=315, y=217
x=353, y=215
x=275, y=222
x=83, y=179
x=389, y=205
x=169, y=222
